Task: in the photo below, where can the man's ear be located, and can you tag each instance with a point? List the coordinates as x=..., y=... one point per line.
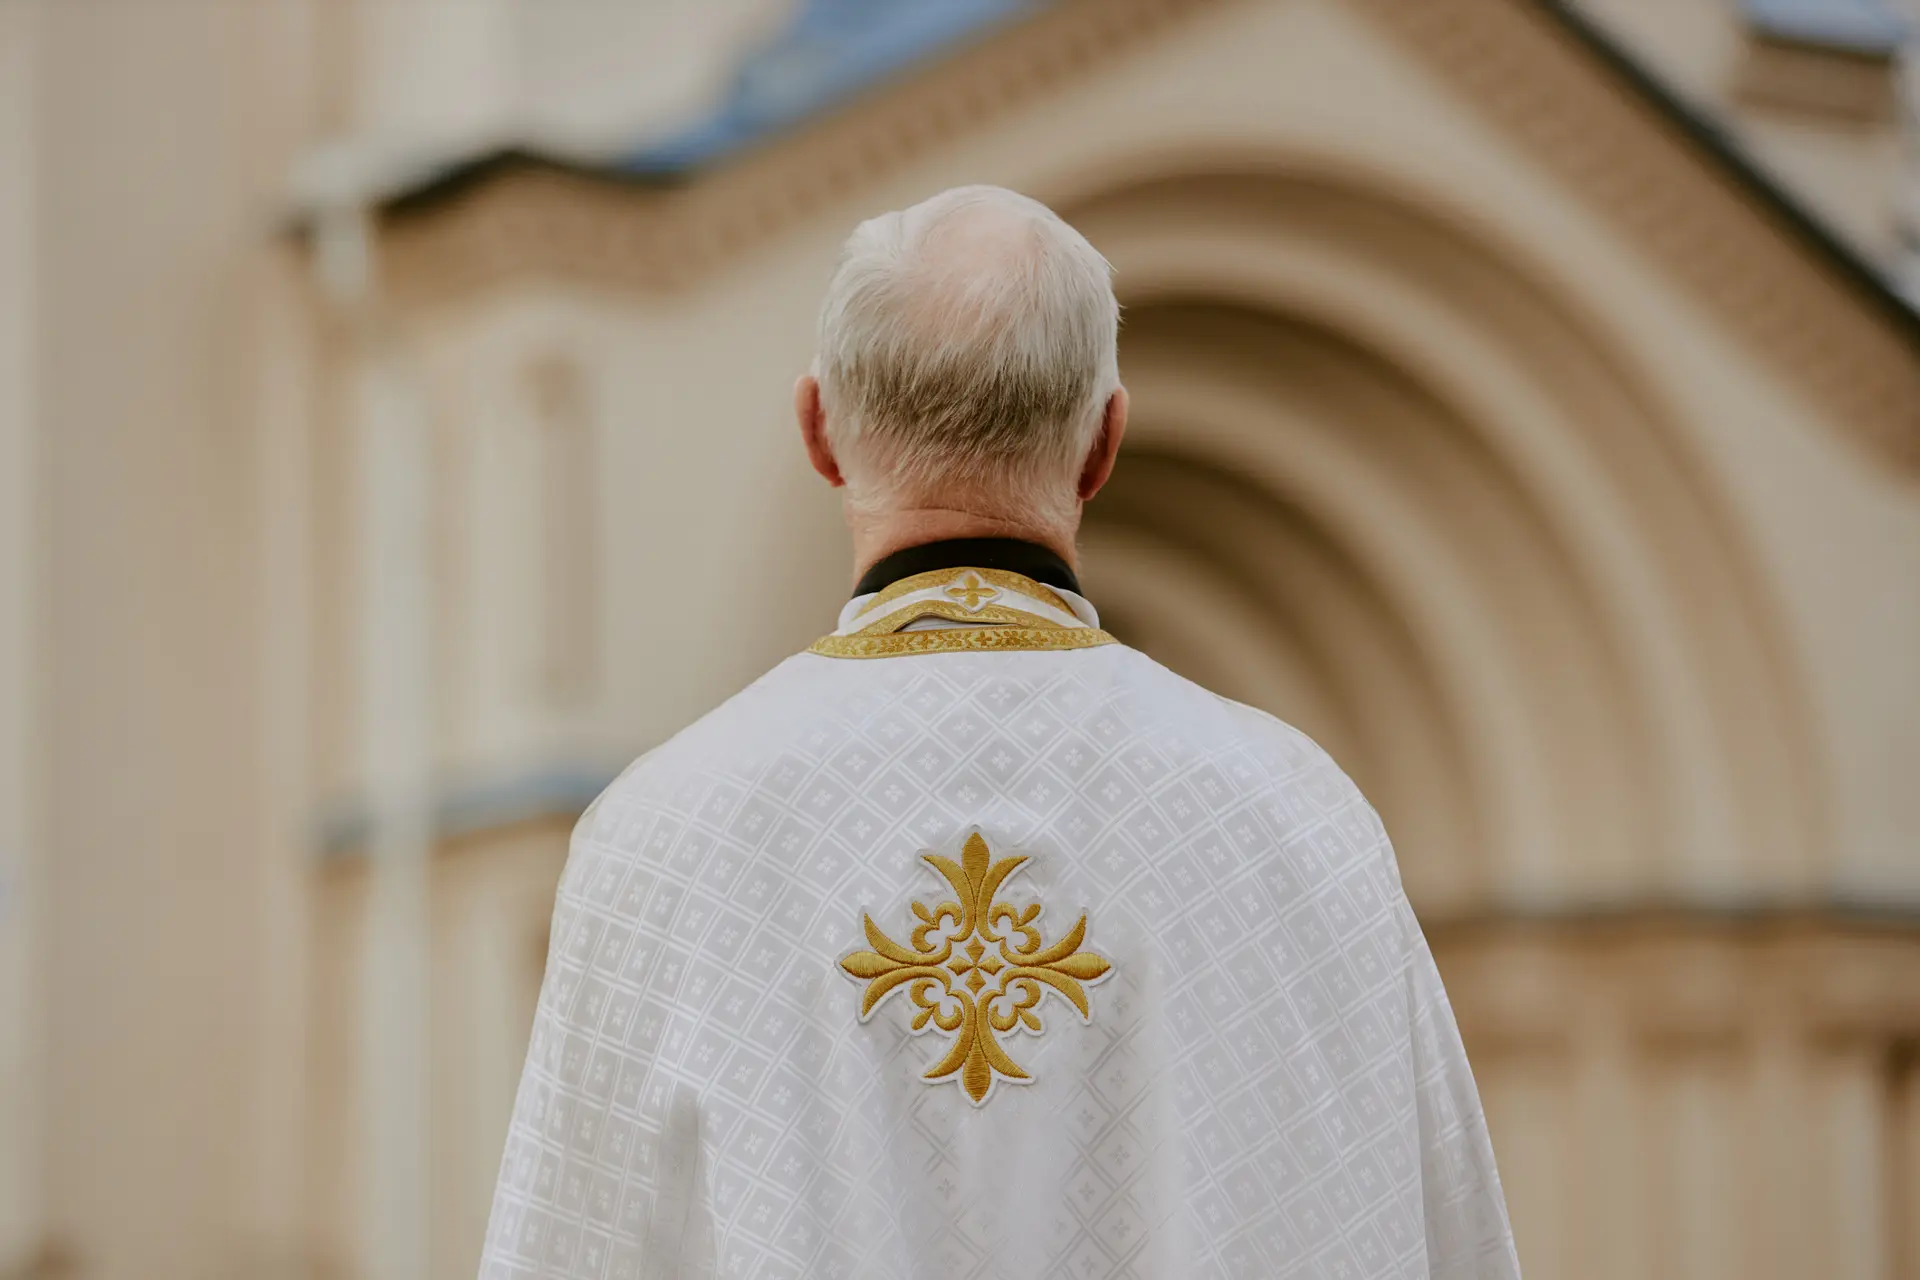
x=1106, y=446
x=813, y=429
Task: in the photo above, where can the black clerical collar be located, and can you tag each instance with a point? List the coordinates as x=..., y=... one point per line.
x=1011, y=555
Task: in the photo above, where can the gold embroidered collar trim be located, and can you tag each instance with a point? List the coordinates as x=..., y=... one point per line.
x=975, y=968
x=953, y=612
x=958, y=639
x=1009, y=612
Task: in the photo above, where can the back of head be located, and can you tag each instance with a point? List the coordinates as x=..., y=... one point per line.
x=967, y=350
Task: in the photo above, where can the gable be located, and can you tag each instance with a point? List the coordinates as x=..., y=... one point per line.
x=1549, y=84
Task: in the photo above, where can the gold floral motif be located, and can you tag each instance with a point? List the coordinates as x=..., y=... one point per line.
x=1000, y=639
x=976, y=969
x=971, y=591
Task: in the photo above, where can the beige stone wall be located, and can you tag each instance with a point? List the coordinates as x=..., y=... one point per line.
x=161, y=136
x=22, y=976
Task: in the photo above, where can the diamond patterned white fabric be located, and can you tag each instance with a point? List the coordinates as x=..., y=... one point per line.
x=1271, y=1083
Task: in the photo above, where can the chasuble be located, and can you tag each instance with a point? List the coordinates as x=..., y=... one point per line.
x=973, y=943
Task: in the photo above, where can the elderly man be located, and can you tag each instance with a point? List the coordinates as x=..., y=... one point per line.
x=971, y=942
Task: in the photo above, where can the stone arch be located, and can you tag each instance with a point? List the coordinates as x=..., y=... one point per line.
x=1386, y=482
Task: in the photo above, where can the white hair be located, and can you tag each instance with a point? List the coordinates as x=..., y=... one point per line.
x=968, y=344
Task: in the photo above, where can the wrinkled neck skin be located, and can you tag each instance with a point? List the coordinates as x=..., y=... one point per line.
x=880, y=535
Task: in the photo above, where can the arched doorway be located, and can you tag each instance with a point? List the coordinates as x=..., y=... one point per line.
x=1385, y=483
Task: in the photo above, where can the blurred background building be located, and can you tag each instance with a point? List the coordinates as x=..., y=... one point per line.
x=394, y=441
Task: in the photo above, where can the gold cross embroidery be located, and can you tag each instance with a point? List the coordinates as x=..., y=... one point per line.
x=976, y=969
x=972, y=592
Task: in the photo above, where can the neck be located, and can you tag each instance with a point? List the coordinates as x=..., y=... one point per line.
x=880, y=536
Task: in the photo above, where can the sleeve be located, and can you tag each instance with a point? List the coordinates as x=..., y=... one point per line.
x=1468, y=1235
x=601, y=1150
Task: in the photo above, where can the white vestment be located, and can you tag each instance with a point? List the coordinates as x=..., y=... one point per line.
x=971, y=943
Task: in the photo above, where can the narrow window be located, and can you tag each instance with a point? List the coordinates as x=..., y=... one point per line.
x=569, y=557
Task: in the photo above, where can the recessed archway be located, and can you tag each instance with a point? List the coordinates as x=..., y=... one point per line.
x=1384, y=483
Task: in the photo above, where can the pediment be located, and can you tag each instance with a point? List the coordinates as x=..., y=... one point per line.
x=1540, y=82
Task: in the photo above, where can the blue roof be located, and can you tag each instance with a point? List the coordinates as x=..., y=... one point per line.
x=1856, y=26
x=828, y=52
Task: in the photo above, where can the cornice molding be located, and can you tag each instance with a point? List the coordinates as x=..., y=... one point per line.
x=517, y=214
x=1673, y=976
x=1750, y=261
x=558, y=792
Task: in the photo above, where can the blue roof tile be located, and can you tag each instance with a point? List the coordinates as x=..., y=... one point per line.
x=1857, y=26
x=828, y=52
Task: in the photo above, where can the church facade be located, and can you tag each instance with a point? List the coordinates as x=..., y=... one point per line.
x=1534, y=428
